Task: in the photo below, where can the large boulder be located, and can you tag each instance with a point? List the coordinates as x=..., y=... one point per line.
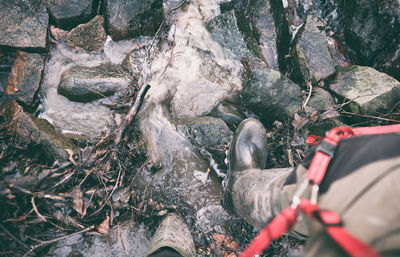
x=371, y=27
x=224, y=29
x=311, y=55
x=85, y=84
x=23, y=128
x=269, y=93
x=25, y=77
x=69, y=13
x=23, y=23
x=130, y=19
x=268, y=25
x=90, y=36
x=371, y=92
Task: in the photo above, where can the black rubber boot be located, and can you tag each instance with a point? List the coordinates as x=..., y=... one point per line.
x=248, y=150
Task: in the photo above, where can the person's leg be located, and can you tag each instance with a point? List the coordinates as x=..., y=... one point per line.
x=255, y=194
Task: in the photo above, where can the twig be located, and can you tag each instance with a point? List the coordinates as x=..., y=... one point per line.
x=43, y=243
x=131, y=114
x=309, y=94
x=13, y=237
x=162, y=24
x=66, y=177
x=36, y=210
x=370, y=116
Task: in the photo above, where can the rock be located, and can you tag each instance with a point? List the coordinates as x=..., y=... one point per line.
x=208, y=132
x=6, y=63
x=268, y=93
x=22, y=126
x=135, y=61
x=268, y=25
x=321, y=100
x=371, y=92
x=69, y=13
x=229, y=113
x=235, y=44
x=372, y=31
x=129, y=19
x=310, y=53
x=85, y=84
x=25, y=77
x=23, y=23
x=371, y=27
x=90, y=36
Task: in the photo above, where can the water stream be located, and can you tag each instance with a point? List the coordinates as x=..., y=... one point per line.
x=189, y=76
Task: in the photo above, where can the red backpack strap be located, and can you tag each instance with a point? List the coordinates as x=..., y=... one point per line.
x=274, y=230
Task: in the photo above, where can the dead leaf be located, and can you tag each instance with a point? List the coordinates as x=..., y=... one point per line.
x=162, y=213
x=78, y=203
x=219, y=238
x=314, y=116
x=290, y=157
x=299, y=122
x=329, y=114
x=104, y=227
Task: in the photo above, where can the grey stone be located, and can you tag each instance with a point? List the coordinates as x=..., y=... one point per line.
x=208, y=132
x=371, y=91
x=85, y=84
x=25, y=77
x=268, y=93
x=321, y=100
x=224, y=30
x=25, y=128
x=229, y=113
x=23, y=23
x=69, y=13
x=6, y=64
x=267, y=22
x=130, y=19
x=311, y=55
x=90, y=36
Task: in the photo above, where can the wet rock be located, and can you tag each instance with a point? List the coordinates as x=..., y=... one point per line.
x=90, y=36
x=124, y=241
x=229, y=113
x=134, y=62
x=268, y=93
x=129, y=19
x=208, y=132
x=235, y=44
x=321, y=100
x=23, y=23
x=268, y=25
x=25, y=77
x=27, y=133
x=371, y=27
x=69, y=13
x=371, y=92
x=85, y=84
x=6, y=63
x=310, y=53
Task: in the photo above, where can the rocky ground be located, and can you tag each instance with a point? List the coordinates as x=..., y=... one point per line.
x=91, y=159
